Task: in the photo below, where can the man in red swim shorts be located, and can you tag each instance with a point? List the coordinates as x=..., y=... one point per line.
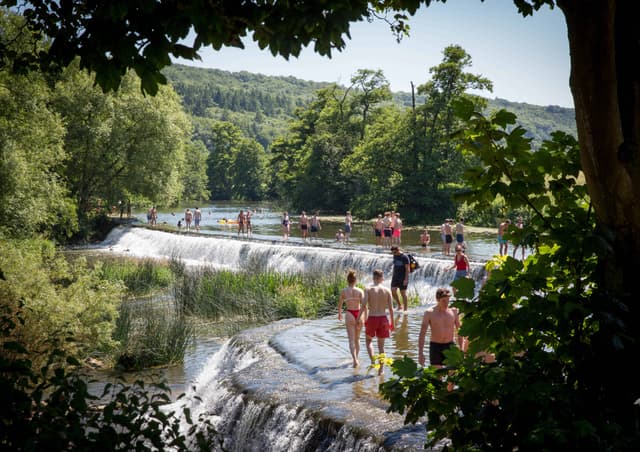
x=378, y=298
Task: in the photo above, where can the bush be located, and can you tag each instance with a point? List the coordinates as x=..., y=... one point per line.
x=151, y=333
x=61, y=297
x=51, y=409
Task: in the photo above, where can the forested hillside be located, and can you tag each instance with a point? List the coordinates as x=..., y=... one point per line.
x=262, y=105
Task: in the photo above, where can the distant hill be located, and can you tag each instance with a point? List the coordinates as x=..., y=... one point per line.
x=262, y=105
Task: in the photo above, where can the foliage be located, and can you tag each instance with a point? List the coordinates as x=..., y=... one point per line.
x=33, y=196
x=150, y=333
x=254, y=297
x=140, y=277
x=418, y=154
x=51, y=408
x=238, y=97
x=545, y=320
x=124, y=144
x=195, y=188
x=235, y=164
x=60, y=297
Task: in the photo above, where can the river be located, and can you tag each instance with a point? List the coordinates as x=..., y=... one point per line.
x=289, y=386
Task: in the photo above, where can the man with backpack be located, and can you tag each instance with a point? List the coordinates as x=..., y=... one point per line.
x=400, y=277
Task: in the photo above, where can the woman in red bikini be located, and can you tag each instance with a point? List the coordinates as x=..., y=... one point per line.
x=352, y=296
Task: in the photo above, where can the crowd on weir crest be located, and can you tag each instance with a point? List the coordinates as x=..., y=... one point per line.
x=387, y=228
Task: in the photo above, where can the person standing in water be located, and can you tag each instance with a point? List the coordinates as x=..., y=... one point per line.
x=197, y=217
x=348, y=222
x=377, y=299
x=352, y=297
x=315, y=225
x=286, y=226
x=519, y=225
x=444, y=323
x=400, y=277
x=188, y=217
x=304, y=225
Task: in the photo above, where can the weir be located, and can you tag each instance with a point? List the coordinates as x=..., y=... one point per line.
x=289, y=386
x=237, y=254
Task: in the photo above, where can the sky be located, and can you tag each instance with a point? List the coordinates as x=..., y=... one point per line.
x=527, y=59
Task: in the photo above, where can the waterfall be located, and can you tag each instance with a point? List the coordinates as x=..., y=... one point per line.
x=235, y=254
x=257, y=401
x=289, y=386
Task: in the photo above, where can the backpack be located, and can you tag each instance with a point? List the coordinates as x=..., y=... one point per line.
x=413, y=263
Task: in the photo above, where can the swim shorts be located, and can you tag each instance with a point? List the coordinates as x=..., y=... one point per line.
x=377, y=326
x=436, y=349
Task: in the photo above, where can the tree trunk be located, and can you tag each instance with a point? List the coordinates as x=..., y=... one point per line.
x=603, y=42
x=605, y=83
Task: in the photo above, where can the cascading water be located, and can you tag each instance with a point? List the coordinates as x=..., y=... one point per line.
x=289, y=386
x=233, y=254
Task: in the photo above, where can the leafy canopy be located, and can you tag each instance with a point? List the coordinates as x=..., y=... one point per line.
x=544, y=320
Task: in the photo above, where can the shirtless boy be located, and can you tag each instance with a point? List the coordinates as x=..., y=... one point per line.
x=378, y=299
x=444, y=323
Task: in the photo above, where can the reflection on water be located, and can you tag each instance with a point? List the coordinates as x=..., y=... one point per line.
x=321, y=349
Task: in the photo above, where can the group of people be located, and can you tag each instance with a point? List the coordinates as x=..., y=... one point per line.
x=191, y=219
x=368, y=309
x=388, y=229
x=244, y=223
x=447, y=235
x=308, y=225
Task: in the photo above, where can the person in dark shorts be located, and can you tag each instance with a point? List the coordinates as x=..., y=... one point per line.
x=400, y=277
x=444, y=323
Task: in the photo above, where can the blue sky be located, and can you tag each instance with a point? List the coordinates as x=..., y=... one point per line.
x=527, y=59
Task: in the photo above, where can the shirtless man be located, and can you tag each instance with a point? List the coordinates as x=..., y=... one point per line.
x=504, y=243
x=304, y=225
x=315, y=225
x=377, y=299
x=444, y=323
x=460, y=233
x=348, y=222
x=386, y=229
x=197, y=217
x=378, y=225
x=448, y=237
x=352, y=297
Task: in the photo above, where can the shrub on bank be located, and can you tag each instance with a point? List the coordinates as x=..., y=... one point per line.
x=150, y=333
x=58, y=297
x=51, y=408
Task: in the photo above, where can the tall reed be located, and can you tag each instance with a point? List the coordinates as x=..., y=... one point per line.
x=255, y=298
x=140, y=276
x=152, y=332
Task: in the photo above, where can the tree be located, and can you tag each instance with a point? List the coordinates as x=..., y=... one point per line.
x=195, y=187
x=121, y=144
x=33, y=197
x=371, y=87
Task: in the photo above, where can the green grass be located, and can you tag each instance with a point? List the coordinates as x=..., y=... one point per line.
x=256, y=297
x=141, y=277
x=151, y=332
